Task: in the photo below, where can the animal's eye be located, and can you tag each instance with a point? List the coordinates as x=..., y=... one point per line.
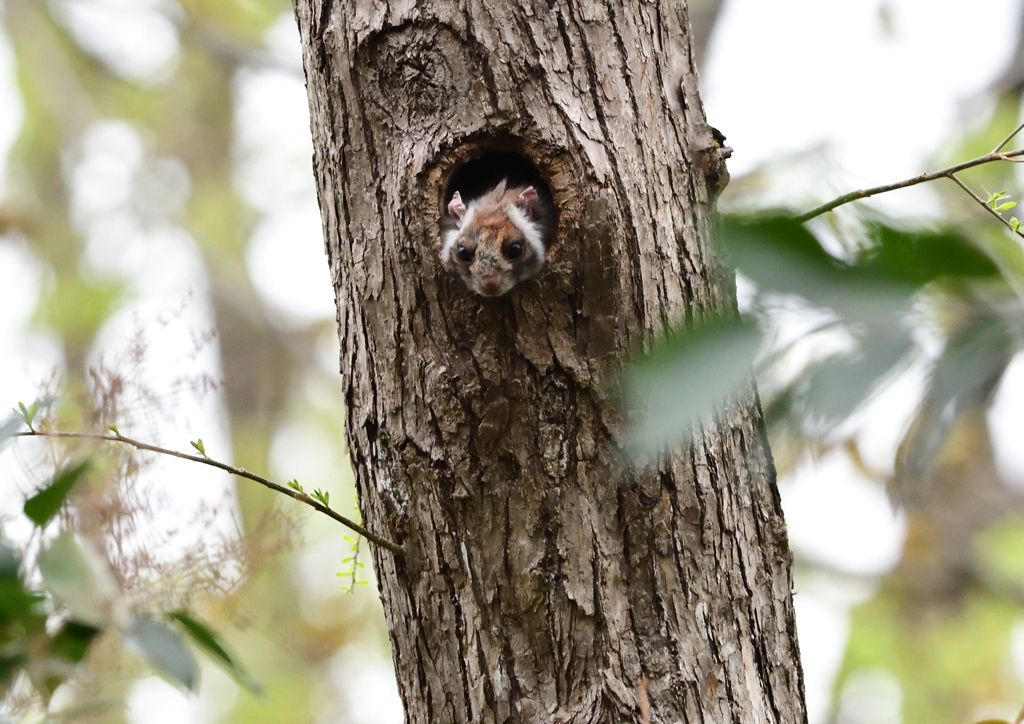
x=514, y=250
x=464, y=253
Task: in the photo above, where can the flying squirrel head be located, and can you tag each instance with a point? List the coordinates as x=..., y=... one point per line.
x=498, y=239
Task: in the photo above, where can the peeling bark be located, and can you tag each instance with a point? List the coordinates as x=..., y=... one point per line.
x=543, y=578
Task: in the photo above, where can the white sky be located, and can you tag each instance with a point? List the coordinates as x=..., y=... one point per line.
x=877, y=87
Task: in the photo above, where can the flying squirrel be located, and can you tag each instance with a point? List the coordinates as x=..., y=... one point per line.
x=499, y=238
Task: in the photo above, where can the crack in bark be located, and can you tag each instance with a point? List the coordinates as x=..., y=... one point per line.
x=632, y=240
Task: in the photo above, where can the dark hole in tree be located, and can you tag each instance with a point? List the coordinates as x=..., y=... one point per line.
x=476, y=176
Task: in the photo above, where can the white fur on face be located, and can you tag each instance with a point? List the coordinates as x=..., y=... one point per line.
x=451, y=237
x=530, y=229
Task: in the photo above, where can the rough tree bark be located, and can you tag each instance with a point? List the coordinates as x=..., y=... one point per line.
x=543, y=580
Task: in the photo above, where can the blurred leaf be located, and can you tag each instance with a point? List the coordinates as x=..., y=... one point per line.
x=919, y=257
x=212, y=644
x=688, y=375
x=999, y=551
x=166, y=651
x=783, y=256
x=12, y=662
x=242, y=18
x=72, y=641
x=779, y=254
x=948, y=659
x=8, y=428
x=16, y=601
x=75, y=308
x=837, y=386
x=1007, y=253
x=45, y=504
x=78, y=576
x=10, y=560
x=965, y=375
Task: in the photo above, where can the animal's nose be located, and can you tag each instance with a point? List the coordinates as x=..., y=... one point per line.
x=490, y=282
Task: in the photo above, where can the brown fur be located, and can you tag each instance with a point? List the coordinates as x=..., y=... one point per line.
x=488, y=234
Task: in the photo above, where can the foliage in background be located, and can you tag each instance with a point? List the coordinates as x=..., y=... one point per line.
x=86, y=91
x=47, y=632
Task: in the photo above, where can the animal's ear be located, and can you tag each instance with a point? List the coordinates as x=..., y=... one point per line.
x=527, y=199
x=456, y=209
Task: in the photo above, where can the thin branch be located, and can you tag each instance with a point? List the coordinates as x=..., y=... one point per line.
x=1009, y=138
x=923, y=178
x=240, y=472
x=981, y=202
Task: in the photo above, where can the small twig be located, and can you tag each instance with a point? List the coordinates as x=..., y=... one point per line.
x=923, y=178
x=240, y=472
x=1009, y=138
x=981, y=201
x=355, y=566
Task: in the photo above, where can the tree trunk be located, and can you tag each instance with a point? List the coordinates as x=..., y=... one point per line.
x=543, y=578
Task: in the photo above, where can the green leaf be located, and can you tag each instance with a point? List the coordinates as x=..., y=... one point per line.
x=166, y=651
x=11, y=664
x=779, y=254
x=10, y=560
x=1007, y=205
x=198, y=445
x=77, y=575
x=27, y=414
x=204, y=637
x=688, y=375
x=45, y=504
x=920, y=257
x=994, y=197
x=72, y=641
x=16, y=602
x=113, y=429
